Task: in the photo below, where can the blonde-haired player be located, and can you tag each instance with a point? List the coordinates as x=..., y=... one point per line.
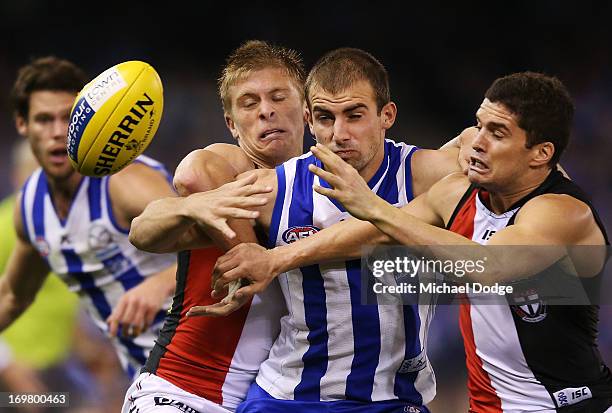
x=202, y=363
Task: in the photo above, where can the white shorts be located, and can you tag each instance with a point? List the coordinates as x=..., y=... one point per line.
x=150, y=393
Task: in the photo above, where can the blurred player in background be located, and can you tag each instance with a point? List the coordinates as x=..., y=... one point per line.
x=77, y=226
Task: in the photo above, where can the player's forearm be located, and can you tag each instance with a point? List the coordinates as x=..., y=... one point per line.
x=164, y=280
x=340, y=242
x=161, y=225
x=11, y=306
x=501, y=264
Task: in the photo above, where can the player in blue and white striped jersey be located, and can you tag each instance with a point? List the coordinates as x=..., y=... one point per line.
x=77, y=226
x=333, y=353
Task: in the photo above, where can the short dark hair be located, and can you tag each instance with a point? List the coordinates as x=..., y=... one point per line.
x=543, y=106
x=256, y=55
x=45, y=73
x=341, y=68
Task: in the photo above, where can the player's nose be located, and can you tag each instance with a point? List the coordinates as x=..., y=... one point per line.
x=60, y=129
x=340, y=131
x=266, y=109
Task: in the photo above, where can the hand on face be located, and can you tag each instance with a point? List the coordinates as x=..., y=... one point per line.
x=349, y=188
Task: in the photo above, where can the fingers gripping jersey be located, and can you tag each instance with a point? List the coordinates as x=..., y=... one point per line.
x=92, y=254
x=331, y=347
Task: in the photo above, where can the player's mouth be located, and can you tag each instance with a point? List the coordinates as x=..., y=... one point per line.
x=271, y=134
x=477, y=165
x=58, y=156
x=345, y=153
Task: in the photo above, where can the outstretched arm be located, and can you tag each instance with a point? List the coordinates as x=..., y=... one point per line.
x=535, y=224
x=24, y=274
x=177, y=223
x=137, y=308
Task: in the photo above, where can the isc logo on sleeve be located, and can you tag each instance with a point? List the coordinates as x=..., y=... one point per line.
x=572, y=395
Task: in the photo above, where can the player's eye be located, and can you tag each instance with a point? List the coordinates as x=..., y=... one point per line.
x=43, y=119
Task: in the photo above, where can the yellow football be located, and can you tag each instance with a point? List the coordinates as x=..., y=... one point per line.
x=114, y=118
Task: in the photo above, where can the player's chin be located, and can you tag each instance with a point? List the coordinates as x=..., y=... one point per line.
x=275, y=147
x=476, y=177
x=59, y=171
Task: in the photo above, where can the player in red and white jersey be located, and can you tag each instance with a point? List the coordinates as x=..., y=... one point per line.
x=203, y=363
x=521, y=358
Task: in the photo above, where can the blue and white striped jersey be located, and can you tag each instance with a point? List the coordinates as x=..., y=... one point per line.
x=331, y=347
x=92, y=253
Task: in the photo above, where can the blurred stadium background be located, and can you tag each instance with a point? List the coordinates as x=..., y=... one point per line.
x=440, y=58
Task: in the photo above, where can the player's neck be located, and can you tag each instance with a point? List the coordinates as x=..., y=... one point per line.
x=262, y=163
x=503, y=199
x=62, y=192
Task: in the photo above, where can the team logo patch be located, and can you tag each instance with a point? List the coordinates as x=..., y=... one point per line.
x=99, y=237
x=164, y=401
x=296, y=233
x=529, y=306
x=42, y=246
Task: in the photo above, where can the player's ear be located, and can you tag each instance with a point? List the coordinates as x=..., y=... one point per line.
x=229, y=122
x=542, y=153
x=306, y=112
x=388, y=114
x=21, y=125
x=308, y=116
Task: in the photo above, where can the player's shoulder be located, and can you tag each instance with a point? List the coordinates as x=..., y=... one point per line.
x=557, y=206
x=456, y=182
x=18, y=216
x=424, y=159
x=264, y=174
x=136, y=185
x=448, y=190
x=564, y=215
x=400, y=145
x=231, y=153
x=140, y=172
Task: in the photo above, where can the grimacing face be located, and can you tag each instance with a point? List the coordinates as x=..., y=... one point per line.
x=267, y=116
x=349, y=124
x=46, y=129
x=499, y=156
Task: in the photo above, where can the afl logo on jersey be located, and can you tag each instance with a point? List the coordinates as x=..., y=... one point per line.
x=528, y=306
x=42, y=246
x=295, y=233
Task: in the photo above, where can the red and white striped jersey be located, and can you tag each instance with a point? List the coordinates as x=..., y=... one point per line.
x=216, y=358
x=528, y=358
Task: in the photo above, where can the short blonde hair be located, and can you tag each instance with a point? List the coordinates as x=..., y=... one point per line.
x=256, y=55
